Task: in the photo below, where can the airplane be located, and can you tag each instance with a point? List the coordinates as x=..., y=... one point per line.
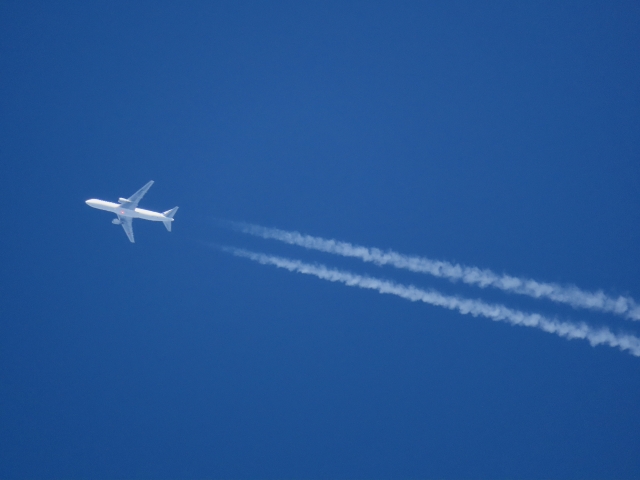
x=127, y=209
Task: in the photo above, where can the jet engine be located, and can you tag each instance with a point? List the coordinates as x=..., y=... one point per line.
x=116, y=221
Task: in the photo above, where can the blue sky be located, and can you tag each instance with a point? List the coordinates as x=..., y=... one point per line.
x=498, y=135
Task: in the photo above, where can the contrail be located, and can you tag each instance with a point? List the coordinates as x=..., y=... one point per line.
x=570, y=295
x=602, y=336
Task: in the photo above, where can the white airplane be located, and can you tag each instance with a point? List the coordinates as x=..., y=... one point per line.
x=127, y=209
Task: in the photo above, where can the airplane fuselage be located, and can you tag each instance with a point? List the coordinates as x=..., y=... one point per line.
x=121, y=211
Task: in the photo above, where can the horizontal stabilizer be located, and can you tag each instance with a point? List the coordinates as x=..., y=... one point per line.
x=170, y=213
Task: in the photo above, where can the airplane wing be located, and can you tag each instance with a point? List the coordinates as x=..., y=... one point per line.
x=134, y=199
x=127, y=224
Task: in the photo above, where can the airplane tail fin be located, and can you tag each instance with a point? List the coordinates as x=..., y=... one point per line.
x=169, y=214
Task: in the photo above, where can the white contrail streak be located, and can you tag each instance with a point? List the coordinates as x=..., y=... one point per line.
x=570, y=295
x=602, y=336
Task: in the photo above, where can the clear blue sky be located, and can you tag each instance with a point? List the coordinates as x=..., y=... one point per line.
x=499, y=134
